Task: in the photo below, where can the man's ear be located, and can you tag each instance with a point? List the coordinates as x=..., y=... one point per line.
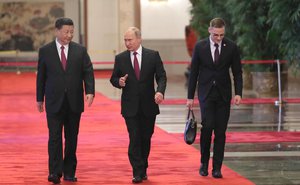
x=209, y=29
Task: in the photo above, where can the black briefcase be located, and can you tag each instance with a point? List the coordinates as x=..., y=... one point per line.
x=190, y=130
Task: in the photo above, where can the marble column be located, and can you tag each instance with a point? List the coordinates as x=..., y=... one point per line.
x=128, y=15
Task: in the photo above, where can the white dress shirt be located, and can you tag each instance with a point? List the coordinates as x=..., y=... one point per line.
x=66, y=49
x=138, y=56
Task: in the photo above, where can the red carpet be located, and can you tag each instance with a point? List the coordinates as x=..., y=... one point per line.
x=257, y=137
x=102, y=147
x=264, y=137
x=103, y=73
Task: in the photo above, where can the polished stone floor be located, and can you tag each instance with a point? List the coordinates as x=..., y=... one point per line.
x=262, y=163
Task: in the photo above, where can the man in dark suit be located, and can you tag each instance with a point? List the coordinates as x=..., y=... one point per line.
x=64, y=67
x=211, y=61
x=135, y=71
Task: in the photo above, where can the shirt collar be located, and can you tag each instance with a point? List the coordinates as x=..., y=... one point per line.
x=212, y=43
x=58, y=45
x=139, y=50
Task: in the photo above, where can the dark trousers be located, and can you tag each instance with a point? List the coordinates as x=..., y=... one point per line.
x=58, y=164
x=140, y=129
x=215, y=115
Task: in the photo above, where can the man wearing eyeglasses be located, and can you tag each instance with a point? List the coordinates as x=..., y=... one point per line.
x=211, y=61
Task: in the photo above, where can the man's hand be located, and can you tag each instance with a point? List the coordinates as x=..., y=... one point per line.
x=89, y=99
x=122, y=80
x=40, y=106
x=237, y=99
x=189, y=103
x=159, y=97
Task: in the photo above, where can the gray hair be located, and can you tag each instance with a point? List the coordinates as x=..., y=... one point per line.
x=136, y=31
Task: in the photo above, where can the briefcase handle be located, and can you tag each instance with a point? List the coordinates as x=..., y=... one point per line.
x=190, y=111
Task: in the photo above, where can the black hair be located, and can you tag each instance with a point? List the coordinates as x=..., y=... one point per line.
x=63, y=21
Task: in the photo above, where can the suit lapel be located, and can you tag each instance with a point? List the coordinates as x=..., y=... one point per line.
x=69, y=57
x=208, y=51
x=144, y=61
x=223, y=51
x=56, y=56
x=129, y=64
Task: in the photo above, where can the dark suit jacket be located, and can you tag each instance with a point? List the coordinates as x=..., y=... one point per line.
x=53, y=81
x=139, y=94
x=206, y=73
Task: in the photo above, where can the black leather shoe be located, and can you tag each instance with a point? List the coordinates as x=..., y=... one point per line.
x=203, y=169
x=137, y=180
x=70, y=179
x=217, y=174
x=54, y=178
x=144, y=177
